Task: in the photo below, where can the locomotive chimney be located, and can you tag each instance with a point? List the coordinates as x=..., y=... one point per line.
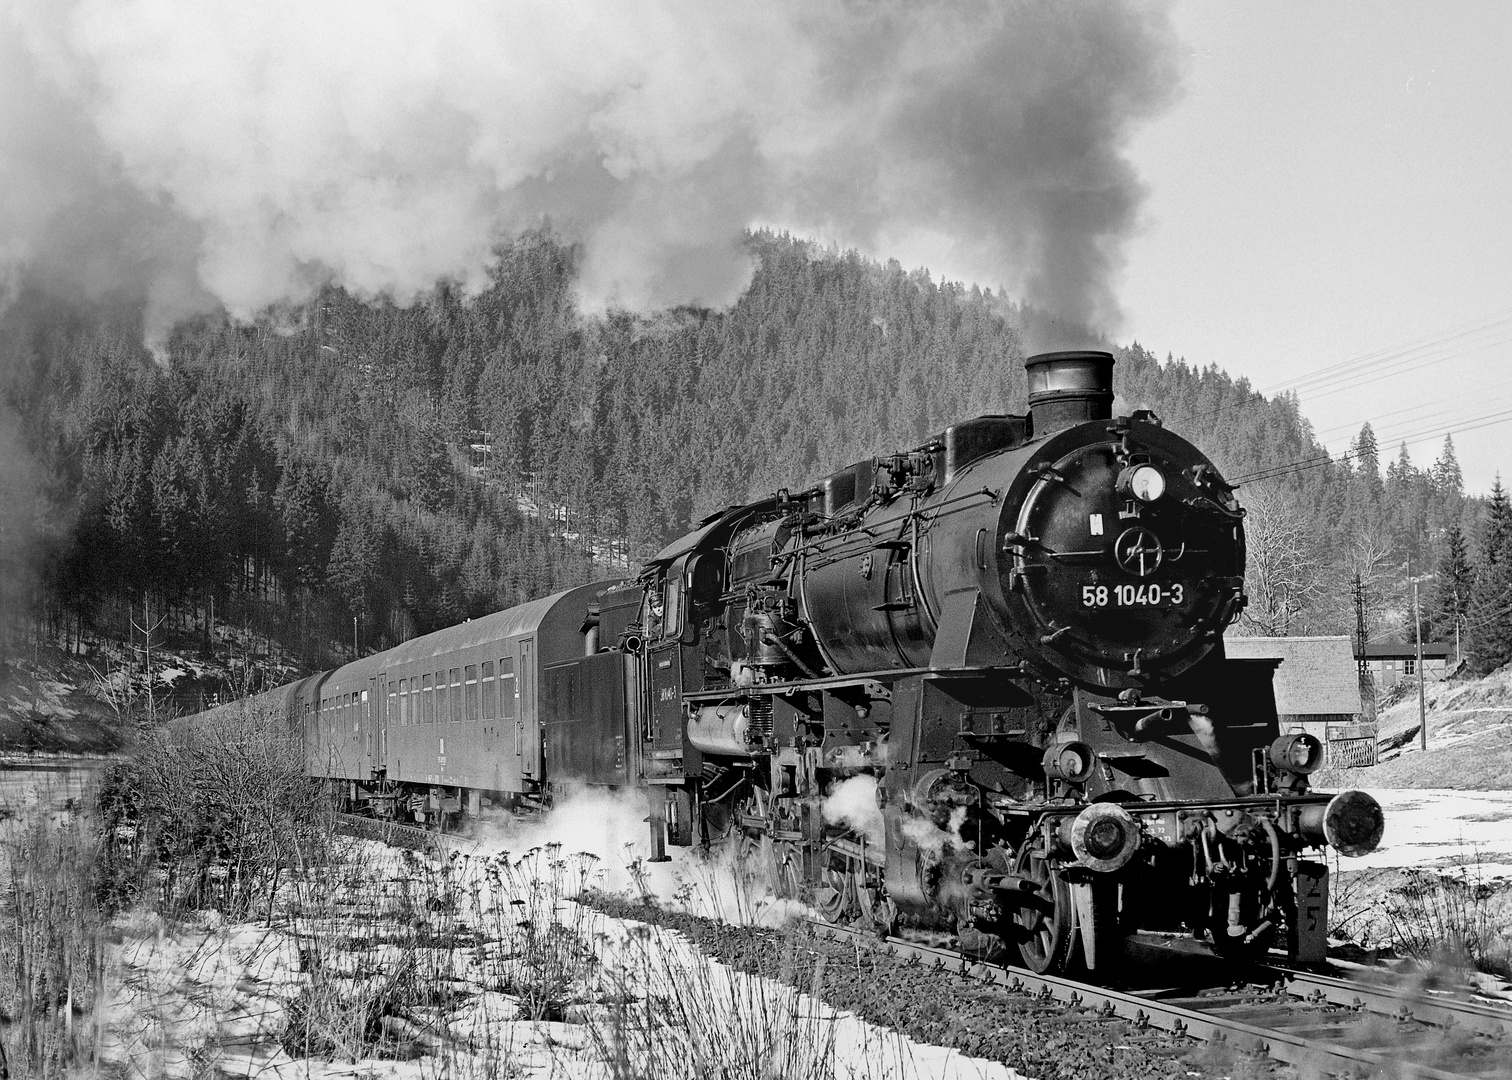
x=1069, y=388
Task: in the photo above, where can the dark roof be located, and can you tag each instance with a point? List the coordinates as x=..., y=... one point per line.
x=1317, y=674
x=1404, y=650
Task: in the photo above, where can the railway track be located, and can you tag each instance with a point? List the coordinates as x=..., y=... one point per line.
x=1317, y=1023
x=392, y=832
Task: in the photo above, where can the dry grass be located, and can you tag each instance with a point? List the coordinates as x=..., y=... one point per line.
x=52, y=947
x=438, y=955
x=1457, y=917
x=677, y=1019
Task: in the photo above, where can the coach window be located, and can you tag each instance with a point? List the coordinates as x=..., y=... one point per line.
x=393, y=702
x=490, y=697
x=470, y=694
x=427, y=701
x=507, y=692
x=404, y=717
x=458, y=704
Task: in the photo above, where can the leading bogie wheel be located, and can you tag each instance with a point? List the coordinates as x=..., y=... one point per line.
x=1099, y=929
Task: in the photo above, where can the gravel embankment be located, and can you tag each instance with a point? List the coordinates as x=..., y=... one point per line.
x=1044, y=1040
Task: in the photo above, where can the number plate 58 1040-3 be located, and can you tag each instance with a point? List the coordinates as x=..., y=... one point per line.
x=1151, y=594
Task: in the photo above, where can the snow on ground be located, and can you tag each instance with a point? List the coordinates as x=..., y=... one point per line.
x=1437, y=827
x=218, y=996
x=224, y=990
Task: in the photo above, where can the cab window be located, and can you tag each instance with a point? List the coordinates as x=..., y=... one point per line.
x=674, y=596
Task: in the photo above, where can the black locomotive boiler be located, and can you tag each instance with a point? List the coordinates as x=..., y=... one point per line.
x=978, y=686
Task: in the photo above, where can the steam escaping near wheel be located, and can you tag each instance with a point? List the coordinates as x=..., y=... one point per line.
x=853, y=804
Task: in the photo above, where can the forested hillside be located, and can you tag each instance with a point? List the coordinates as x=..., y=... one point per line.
x=409, y=468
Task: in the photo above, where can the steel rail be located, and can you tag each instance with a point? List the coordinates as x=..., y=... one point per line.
x=1402, y=1001
x=1309, y=1047
x=393, y=833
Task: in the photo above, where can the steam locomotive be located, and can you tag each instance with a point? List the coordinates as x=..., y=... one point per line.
x=978, y=686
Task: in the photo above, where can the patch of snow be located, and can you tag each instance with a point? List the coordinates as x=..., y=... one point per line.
x=1433, y=826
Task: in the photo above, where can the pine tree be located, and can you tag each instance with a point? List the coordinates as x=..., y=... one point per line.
x=1453, y=581
x=1446, y=471
x=1489, y=623
x=1496, y=529
x=1367, y=459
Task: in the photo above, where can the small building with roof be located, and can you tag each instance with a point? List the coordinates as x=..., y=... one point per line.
x=1392, y=662
x=1317, y=691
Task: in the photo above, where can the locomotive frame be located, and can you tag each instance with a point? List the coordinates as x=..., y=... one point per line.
x=1008, y=640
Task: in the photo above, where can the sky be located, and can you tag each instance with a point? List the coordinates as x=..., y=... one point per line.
x=1335, y=183
x=1278, y=189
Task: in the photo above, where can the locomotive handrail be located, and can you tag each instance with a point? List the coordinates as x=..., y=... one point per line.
x=922, y=514
x=875, y=687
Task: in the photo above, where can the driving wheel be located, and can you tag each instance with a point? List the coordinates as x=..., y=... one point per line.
x=1045, y=920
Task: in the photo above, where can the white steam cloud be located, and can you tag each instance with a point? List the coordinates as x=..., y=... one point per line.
x=612, y=827
x=206, y=153
x=853, y=803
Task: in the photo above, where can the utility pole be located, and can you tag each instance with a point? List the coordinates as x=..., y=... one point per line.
x=354, y=637
x=1417, y=618
x=1359, y=603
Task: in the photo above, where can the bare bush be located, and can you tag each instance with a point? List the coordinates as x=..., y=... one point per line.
x=213, y=813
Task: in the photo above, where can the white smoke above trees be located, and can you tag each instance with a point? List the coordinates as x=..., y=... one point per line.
x=211, y=153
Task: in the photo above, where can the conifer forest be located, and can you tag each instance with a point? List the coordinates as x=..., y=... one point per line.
x=345, y=474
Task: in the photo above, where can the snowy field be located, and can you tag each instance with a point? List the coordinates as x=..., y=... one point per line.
x=229, y=987
x=1443, y=828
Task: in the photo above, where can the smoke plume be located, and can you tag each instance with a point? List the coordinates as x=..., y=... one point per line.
x=211, y=153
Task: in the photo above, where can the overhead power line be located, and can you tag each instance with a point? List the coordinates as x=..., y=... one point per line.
x=1449, y=344
x=1501, y=416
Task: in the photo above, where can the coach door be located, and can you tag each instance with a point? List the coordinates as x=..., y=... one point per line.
x=383, y=706
x=372, y=702
x=527, y=725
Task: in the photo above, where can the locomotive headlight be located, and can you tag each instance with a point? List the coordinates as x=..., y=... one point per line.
x=1073, y=762
x=1300, y=753
x=1145, y=482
